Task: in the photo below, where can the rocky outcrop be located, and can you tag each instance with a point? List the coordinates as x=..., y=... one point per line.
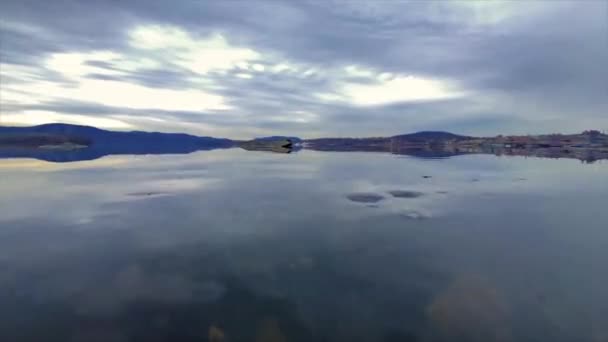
x=277, y=146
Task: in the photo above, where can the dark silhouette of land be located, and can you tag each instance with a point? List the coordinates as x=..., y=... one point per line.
x=64, y=143
x=587, y=146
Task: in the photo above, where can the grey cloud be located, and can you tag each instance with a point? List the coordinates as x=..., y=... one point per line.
x=154, y=78
x=76, y=107
x=151, y=119
x=547, y=67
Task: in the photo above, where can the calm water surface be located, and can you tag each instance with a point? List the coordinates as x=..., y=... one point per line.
x=250, y=246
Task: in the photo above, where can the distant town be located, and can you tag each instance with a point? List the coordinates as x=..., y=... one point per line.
x=587, y=146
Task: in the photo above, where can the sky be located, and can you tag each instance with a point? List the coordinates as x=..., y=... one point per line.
x=242, y=69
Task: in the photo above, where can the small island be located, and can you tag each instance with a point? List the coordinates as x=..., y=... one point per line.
x=278, y=145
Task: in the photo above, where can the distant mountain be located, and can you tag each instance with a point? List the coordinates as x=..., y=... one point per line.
x=25, y=142
x=294, y=140
x=384, y=143
x=430, y=136
x=112, y=138
x=35, y=140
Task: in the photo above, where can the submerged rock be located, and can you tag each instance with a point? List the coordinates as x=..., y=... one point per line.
x=472, y=309
x=216, y=334
x=269, y=331
x=365, y=197
x=406, y=194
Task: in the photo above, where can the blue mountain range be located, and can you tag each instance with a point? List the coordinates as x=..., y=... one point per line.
x=100, y=142
x=430, y=136
x=295, y=140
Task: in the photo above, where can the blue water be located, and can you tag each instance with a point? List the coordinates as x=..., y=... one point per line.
x=231, y=245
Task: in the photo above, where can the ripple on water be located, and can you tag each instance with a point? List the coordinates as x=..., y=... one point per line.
x=365, y=197
x=405, y=194
x=147, y=193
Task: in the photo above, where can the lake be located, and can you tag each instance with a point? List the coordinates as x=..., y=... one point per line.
x=231, y=245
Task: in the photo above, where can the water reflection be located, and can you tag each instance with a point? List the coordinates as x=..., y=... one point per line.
x=405, y=193
x=240, y=246
x=470, y=309
x=363, y=197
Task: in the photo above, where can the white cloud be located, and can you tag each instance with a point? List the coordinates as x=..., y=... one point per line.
x=152, y=47
x=18, y=72
x=155, y=47
x=393, y=89
x=298, y=116
x=385, y=76
x=358, y=71
x=330, y=97
x=258, y=67
x=309, y=73
x=27, y=88
x=121, y=94
x=134, y=63
x=362, y=86
x=17, y=97
x=243, y=75
x=74, y=65
x=197, y=54
x=284, y=67
x=159, y=37
x=242, y=65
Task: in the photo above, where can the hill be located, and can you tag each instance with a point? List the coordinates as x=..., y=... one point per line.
x=279, y=138
x=430, y=136
x=94, y=143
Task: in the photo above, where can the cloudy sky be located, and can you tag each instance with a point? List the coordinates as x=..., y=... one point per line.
x=308, y=68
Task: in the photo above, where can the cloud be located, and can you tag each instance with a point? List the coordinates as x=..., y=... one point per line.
x=398, y=89
x=76, y=65
x=106, y=86
x=356, y=68
x=118, y=94
x=201, y=55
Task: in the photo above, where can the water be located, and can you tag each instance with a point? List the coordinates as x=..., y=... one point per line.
x=233, y=245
